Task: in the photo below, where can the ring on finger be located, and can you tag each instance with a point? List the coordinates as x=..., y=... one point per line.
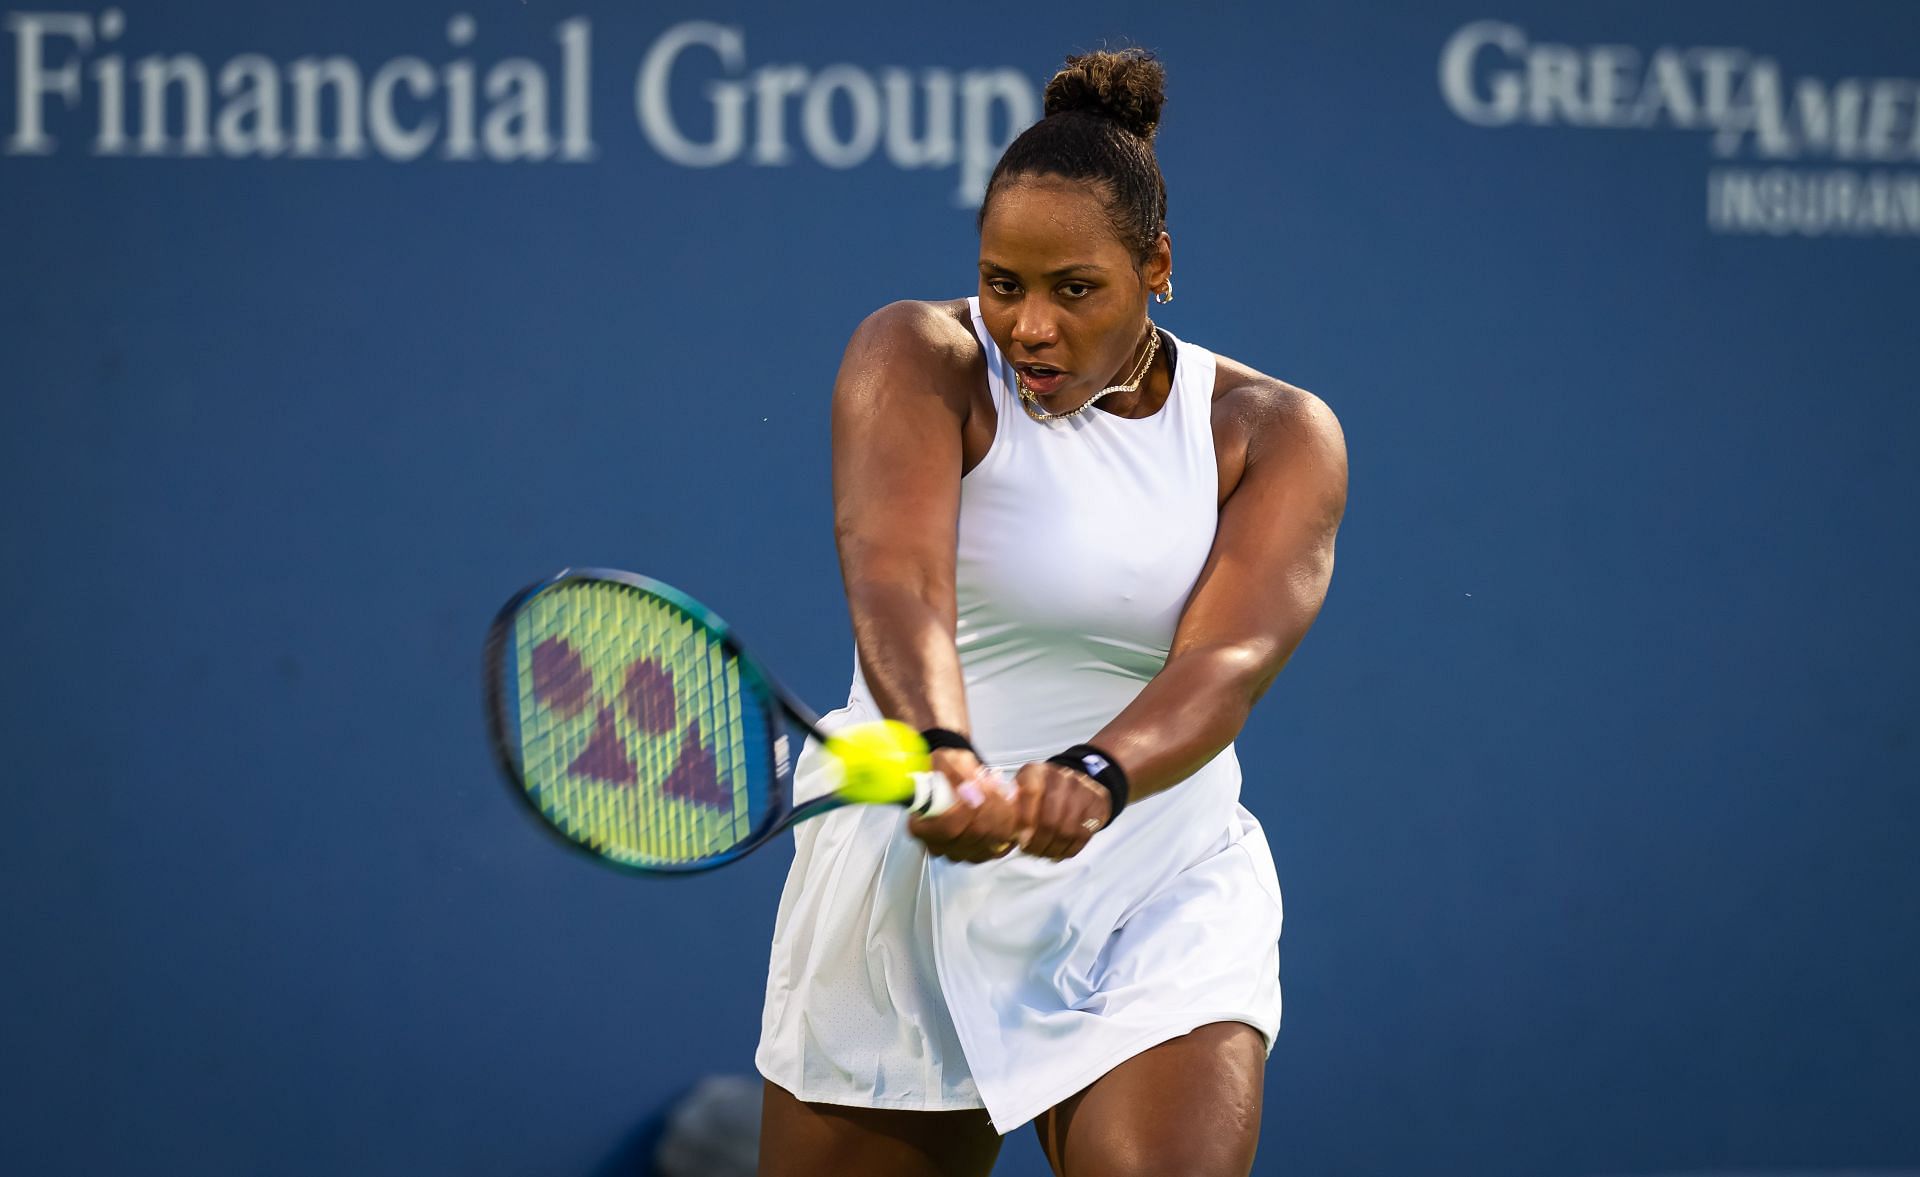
x=1091, y=825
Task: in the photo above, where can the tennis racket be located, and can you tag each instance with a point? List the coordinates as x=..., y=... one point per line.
x=633, y=722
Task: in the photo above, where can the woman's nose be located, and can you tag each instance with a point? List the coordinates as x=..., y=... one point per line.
x=1033, y=324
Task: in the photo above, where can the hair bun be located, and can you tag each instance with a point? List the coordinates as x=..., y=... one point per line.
x=1126, y=85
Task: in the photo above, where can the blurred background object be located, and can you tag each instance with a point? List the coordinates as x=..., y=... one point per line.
x=714, y=1131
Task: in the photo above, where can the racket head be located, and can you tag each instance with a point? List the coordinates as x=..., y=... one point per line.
x=630, y=720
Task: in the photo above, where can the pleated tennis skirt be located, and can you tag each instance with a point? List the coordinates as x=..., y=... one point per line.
x=901, y=981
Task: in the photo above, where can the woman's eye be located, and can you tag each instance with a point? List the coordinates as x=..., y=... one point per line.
x=1077, y=289
x=1001, y=286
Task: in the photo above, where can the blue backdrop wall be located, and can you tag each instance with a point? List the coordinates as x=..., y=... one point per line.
x=324, y=327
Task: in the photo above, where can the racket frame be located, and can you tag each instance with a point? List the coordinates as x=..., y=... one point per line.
x=782, y=815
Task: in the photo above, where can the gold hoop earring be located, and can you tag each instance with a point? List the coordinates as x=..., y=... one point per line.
x=1165, y=295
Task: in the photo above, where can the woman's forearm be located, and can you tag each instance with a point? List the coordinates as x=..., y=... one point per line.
x=905, y=644
x=1191, y=709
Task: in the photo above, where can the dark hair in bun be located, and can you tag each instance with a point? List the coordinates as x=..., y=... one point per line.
x=1101, y=115
x=1125, y=85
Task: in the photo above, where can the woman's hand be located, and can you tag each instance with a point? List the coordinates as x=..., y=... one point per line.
x=1060, y=809
x=984, y=823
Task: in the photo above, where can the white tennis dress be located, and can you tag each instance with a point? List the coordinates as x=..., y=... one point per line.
x=902, y=981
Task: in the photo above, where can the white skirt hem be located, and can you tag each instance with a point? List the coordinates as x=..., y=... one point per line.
x=1023, y=1113
x=860, y=1099
x=1092, y=1073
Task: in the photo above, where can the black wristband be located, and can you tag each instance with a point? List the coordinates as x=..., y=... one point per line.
x=1086, y=758
x=939, y=737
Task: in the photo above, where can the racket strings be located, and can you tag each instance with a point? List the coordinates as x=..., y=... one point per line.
x=636, y=737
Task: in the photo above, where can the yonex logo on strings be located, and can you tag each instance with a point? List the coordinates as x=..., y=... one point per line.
x=647, y=698
x=694, y=98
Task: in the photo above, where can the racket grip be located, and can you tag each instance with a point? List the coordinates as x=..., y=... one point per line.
x=932, y=794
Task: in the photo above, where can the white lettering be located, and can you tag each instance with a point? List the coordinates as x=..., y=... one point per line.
x=816, y=120
x=1553, y=85
x=981, y=93
x=1667, y=89
x=1782, y=202
x=342, y=76
x=1826, y=122
x=517, y=123
x=1490, y=75
x=33, y=79
x=158, y=75
x=936, y=148
x=1818, y=121
x=1718, y=65
x=252, y=106
x=1611, y=82
x=576, y=72
x=391, y=138
x=651, y=95
x=110, y=77
x=1756, y=106
x=771, y=87
x=249, y=122
x=1501, y=105
x=457, y=78
x=1889, y=100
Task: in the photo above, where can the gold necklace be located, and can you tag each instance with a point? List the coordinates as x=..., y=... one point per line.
x=1031, y=403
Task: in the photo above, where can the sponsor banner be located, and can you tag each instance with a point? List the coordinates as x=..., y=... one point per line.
x=1806, y=156
x=98, y=85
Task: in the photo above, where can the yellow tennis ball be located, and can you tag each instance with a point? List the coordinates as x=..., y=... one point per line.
x=878, y=759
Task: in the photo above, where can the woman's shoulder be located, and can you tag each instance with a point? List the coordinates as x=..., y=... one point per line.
x=1248, y=398
x=1261, y=417
x=910, y=350
x=927, y=333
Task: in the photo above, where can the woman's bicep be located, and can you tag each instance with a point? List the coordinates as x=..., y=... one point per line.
x=896, y=452
x=1272, y=559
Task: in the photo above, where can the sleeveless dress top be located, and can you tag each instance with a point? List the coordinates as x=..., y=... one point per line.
x=901, y=981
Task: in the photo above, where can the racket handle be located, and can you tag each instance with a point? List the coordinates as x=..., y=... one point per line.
x=932, y=794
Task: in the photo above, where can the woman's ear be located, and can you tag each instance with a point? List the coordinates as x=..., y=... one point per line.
x=1159, y=268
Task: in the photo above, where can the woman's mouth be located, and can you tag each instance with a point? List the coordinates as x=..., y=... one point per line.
x=1040, y=379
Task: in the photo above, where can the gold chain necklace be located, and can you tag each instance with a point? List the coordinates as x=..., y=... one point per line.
x=1031, y=403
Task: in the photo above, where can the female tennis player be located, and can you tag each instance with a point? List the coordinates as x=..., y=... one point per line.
x=1076, y=549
